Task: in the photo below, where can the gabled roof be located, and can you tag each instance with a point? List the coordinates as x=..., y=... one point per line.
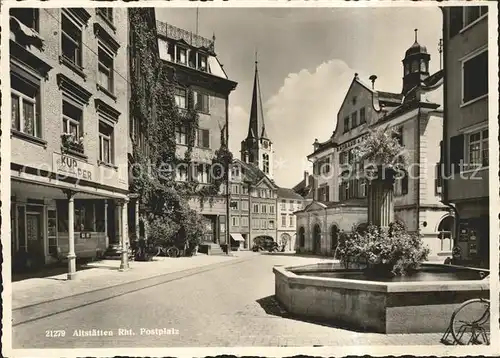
x=285, y=193
x=252, y=174
x=322, y=146
x=416, y=97
x=303, y=190
x=352, y=203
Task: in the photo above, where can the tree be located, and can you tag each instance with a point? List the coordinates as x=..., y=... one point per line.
x=167, y=214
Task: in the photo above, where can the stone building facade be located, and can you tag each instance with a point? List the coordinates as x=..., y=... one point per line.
x=340, y=188
x=69, y=107
x=465, y=135
x=197, y=70
x=288, y=203
x=253, y=204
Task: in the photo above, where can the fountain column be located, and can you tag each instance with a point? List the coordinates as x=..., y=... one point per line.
x=381, y=198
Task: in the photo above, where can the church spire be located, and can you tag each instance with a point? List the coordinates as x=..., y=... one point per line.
x=256, y=126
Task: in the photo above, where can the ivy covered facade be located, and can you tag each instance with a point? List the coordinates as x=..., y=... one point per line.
x=178, y=127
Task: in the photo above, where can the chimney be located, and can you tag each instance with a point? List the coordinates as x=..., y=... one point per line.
x=306, y=179
x=373, y=78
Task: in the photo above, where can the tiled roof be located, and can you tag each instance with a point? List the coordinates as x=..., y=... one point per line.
x=251, y=172
x=390, y=95
x=286, y=193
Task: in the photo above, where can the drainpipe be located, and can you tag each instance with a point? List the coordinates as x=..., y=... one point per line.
x=228, y=187
x=418, y=167
x=446, y=161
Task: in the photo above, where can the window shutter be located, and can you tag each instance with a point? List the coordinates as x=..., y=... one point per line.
x=404, y=184
x=206, y=138
x=441, y=152
x=456, y=152
x=456, y=20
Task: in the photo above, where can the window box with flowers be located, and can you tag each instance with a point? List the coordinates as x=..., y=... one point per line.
x=72, y=144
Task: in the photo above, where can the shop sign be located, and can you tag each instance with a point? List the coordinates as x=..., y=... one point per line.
x=65, y=165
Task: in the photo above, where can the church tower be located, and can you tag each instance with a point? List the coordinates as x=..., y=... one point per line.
x=416, y=66
x=257, y=149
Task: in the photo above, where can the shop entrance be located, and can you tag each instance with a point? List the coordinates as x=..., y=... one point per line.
x=34, y=234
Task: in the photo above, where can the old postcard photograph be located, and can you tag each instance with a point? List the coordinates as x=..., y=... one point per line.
x=180, y=178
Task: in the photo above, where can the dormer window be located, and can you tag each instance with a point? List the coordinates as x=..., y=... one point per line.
x=265, y=144
x=192, y=59
x=202, y=62
x=170, y=51
x=181, y=55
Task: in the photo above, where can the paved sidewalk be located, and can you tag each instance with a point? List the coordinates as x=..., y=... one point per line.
x=105, y=274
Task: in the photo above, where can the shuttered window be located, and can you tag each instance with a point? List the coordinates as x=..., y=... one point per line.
x=456, y=153
x=203, y=138
x=456, y=20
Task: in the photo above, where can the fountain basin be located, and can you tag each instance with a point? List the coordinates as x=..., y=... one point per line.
x=419, y=304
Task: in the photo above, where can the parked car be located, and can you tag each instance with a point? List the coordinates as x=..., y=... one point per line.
x=265, y=243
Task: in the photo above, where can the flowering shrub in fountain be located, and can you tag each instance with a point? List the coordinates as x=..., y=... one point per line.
x=383, y=252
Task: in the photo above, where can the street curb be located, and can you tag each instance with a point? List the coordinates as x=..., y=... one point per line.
x=45, y=309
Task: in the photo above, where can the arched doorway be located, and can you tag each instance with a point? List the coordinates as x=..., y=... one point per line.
x=302, y=237
x=317, y=239
x=334, y=238
x=286, y=240
x=362, y=228
x=445, y=233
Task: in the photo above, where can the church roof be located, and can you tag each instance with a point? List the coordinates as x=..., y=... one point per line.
x=251, y=173
x=416, y=48
x=256, y=126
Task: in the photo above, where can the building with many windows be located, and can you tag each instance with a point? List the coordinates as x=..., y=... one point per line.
x=465, y=132
x=414, y=115
x=253, y=204
x=69, y=107
x=288, y=203
x=198, y=71
x=254, y=192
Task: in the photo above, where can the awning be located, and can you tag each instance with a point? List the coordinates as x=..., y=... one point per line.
x=238, y=237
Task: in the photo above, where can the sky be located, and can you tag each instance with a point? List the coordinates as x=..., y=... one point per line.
x=307, y=60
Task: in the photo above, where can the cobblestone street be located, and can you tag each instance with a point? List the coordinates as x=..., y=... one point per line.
x=230, y=304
